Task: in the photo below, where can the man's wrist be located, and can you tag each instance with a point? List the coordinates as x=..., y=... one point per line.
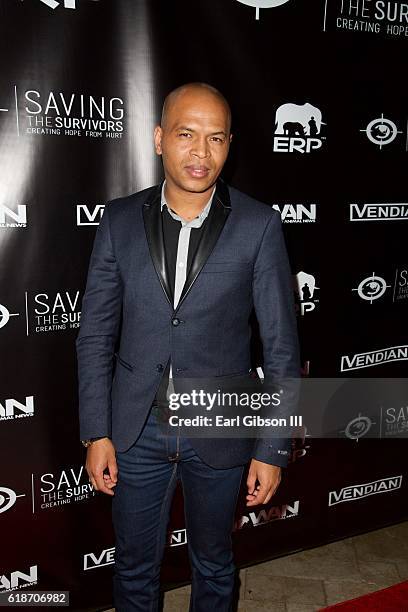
x=90, y=441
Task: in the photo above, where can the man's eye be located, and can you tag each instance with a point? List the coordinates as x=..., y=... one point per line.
x=217, y=139
x=184, y=134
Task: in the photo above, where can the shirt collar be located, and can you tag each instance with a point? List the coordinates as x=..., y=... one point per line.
x=197, y=221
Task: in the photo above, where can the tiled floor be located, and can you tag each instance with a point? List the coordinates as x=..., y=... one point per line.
x=312, y=579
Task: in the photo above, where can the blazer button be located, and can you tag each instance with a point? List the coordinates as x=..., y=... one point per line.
x=175, y=322
x=159, y=367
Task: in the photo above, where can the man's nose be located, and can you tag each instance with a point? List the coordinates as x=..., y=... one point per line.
x=200, y=148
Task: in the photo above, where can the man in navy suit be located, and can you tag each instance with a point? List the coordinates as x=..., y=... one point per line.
x=175, y=272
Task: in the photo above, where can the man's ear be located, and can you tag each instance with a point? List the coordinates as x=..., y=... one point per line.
x=157, y=139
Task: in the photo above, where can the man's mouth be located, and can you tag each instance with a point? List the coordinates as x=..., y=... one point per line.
x=197, y=171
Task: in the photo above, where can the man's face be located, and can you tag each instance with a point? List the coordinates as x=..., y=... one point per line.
x=194, y=141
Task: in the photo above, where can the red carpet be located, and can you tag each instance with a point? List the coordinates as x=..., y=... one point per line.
x=391, y=599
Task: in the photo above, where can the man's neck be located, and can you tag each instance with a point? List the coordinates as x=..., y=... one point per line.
x=186, y=204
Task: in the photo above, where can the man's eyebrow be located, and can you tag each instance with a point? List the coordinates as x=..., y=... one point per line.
x=188, y=129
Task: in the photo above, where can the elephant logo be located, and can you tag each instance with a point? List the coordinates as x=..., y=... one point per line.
x=298, y=128
x=258, y=4
x=298, y=120
x=305, y=287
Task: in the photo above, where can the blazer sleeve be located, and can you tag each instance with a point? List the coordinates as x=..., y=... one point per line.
x=95, y=343
x=275, y=309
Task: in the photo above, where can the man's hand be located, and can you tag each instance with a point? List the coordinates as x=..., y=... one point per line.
x=101, y=455
x=269, y=477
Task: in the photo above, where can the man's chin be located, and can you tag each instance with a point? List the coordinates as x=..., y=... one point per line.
x=197, y=185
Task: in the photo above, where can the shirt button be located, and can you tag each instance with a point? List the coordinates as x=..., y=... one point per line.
x=175, y=322
x=159, y=367
x=181, y=264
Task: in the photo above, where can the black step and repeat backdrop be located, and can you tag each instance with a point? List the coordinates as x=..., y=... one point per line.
x=320, y=107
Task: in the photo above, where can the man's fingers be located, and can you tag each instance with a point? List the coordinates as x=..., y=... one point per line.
x=256, y=498
x=113, y=469
x=251, y=481
x=269, y=496
x=108, y=481
x=254, y=492
x=97, y=480
x=269, y=478
x=100, y=459
x=111, y=477
x=262, y=495
x=101, y=486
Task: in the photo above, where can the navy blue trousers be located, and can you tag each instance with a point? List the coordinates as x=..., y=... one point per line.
x=147, y=477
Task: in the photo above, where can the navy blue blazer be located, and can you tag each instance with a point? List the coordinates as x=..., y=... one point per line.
x=127, y=336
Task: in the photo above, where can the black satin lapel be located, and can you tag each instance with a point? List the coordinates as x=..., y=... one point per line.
x=218, y=216
x=154, y=232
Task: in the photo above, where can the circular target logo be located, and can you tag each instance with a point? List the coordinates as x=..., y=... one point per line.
x=7, y=498
x=372, y=288
x=358, y=427
x=4, y=315
x=258, y=4
x=381, y=131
